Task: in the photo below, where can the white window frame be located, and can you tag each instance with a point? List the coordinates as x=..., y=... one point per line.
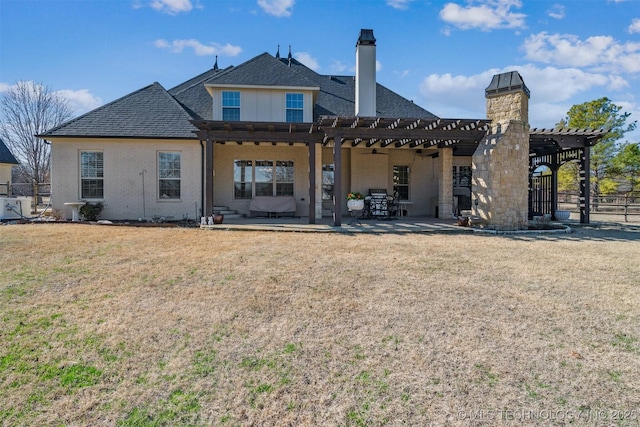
x=169, y=175
x=231, y=101
x=281, y=178
x=86, y=175
x=294, y=104
x=397, y=184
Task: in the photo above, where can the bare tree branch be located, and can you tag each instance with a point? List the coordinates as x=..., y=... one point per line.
x=28, y=109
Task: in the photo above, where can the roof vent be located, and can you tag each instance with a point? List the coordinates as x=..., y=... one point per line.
x=506, y=82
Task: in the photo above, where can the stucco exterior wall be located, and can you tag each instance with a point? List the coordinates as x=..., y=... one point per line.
x=5, y=176
x=124, y=163
x=226, y=154
x=360, y=172
x=263, y=105
x=376, y=171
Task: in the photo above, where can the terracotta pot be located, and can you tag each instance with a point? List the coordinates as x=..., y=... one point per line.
x=217, y=219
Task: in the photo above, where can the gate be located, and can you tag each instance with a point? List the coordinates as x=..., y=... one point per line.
x=540, y=194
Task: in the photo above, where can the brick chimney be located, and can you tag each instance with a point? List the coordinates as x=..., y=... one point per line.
x=366, y=74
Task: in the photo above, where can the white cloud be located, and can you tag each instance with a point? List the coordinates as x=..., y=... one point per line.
x=200, y=49
x=552, y=90
x=485, y=15
x=378, y=65
x=339, y=67
x=402, y=74
x=308, y=60
x=556, y=11
x=635, y=26
x=399, y=4
x=80, y=100
x=601, y=52
x=279, y=8
x=172, y=7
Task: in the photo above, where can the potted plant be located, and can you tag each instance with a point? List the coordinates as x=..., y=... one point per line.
x=355, y=201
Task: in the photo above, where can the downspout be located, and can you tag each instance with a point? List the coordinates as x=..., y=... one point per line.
x=201, y=178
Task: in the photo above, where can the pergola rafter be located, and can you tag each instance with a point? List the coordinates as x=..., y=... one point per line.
x=463, y=135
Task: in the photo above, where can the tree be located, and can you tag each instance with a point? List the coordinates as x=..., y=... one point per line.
x=28, y=109
x=599, y=114
x=626, y=165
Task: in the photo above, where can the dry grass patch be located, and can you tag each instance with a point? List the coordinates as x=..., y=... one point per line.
x=152, y=326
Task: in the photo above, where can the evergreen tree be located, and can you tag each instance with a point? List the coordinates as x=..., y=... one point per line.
x=599, y=114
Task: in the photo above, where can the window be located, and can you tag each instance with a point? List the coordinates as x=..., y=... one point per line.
x=168, y=175
x=230, y=106
x=462, y=176
x=242, y=179
x=401, y=182
x=262, y=178
x=91, y=175
x=284, y=178
x=327, y=182
x=295, y=107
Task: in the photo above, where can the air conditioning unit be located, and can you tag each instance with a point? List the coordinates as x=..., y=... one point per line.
x=14, y=208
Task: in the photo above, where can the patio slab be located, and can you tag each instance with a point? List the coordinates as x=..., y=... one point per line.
x=404, y=225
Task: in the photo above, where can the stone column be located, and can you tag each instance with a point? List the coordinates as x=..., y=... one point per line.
x=445, y=185
x=500, y=164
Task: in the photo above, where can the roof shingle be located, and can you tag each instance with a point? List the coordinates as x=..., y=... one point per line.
x=150, y=112
x=5, y=154
x=153, y=112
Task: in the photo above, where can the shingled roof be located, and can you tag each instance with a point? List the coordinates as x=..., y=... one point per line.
x=193, y=95
x=5, y=155
x=337, y=96
x=150, y=112
x=153, y=112
x=264, y=70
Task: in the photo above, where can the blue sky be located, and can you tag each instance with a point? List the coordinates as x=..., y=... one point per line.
x=439, y=54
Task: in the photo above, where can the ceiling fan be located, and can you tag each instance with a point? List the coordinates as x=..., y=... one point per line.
x=375, y=151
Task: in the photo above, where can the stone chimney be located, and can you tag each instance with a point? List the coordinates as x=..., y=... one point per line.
x=500, y=164
x=507, y=98
x=366, y=74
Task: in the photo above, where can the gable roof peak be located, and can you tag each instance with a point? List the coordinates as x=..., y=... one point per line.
x=150, y=112
x=264, y=70
x=5, y=154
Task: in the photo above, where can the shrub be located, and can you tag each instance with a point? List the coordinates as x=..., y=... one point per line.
x=91, y=212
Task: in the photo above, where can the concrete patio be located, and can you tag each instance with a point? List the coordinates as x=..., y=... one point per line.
x=402, y=225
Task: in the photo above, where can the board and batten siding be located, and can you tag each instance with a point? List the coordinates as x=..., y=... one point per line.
x=263, y=105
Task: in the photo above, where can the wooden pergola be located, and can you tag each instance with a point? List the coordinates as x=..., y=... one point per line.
x=553, y=148
x=396, y=133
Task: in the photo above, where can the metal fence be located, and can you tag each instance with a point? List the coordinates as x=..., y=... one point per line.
x=626, y=205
